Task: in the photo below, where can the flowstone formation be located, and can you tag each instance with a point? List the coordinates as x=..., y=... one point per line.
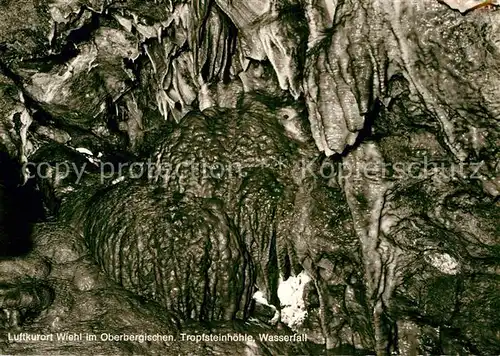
x=175, y=166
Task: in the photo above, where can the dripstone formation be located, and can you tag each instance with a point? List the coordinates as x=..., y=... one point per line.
x=311, y=167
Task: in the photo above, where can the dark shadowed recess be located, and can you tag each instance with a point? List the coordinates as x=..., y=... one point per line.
x=20, y=207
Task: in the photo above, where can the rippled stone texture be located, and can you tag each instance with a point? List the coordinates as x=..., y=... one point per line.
x=407, y=88
x=202, y=236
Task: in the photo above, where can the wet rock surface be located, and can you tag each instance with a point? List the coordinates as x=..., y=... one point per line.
x=318, y=168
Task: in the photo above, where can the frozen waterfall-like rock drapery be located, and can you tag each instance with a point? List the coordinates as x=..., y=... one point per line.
x=170, y=160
